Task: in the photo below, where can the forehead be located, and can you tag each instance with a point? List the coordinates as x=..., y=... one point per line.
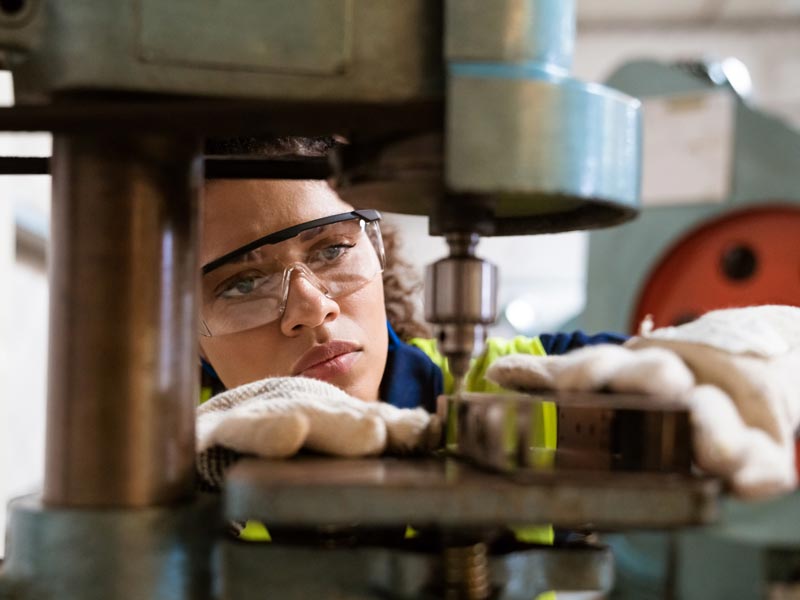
x=236, y=212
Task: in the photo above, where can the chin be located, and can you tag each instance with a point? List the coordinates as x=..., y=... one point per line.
x=354, y=388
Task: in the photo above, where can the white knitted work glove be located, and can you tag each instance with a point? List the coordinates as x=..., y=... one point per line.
x=737, y=370
x=276, y=417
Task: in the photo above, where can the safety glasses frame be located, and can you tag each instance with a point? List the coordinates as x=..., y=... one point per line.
x=367, y=215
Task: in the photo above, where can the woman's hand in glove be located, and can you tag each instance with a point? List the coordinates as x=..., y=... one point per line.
x=275, y=418
x=737, y=370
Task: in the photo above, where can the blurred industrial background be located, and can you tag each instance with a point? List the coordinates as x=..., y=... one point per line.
x=545, y=279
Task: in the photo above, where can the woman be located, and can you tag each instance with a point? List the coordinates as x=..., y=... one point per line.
x=295, y=283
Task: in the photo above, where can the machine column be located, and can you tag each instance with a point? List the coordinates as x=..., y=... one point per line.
x=122, y=377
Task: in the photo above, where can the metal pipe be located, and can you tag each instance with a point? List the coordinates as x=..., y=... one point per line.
x=122, y=375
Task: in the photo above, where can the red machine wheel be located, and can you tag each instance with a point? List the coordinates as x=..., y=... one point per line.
x=747, y=257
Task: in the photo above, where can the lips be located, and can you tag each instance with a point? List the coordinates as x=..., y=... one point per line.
x=326, y=360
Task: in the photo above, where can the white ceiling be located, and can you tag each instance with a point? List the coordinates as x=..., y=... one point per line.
x=684, y=11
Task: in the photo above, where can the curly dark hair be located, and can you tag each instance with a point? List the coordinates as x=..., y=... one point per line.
x=274, y=147
x=402, y=284
x=402, y=290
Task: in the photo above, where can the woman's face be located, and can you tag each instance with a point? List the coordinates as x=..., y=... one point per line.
x=350, y=329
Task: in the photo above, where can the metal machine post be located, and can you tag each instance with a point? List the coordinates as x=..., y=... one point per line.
x=122, y=382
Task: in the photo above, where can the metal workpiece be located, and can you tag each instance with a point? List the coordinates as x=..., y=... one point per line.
x=122, y=383
x=339, y=50
x=596, y=432
x=147, y=554
x=461, y=300
x=405, y=572
x=307, y=492
x=539, y=31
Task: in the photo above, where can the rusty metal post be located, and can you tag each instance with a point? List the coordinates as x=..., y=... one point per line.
x=123, y=264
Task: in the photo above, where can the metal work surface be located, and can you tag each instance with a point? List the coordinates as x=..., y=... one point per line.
x=310, y=491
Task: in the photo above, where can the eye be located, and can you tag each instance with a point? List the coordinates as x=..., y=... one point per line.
x=243, y=285
x=332, y=253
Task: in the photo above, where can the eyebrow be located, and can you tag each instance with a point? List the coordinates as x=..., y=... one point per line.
x=310, y=234
x=254, y=255
x=251, y=256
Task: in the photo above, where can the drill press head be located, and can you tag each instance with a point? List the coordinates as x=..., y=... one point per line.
x=461, y=301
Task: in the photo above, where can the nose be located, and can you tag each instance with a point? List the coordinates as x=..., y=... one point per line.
x=306, y=306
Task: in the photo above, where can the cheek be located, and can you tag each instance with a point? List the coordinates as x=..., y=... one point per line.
x=366, y=313
x=366, y=308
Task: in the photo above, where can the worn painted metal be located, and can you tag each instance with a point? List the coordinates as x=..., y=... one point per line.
x=106, y=554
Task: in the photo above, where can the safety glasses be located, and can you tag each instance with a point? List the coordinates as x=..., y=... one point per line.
x=249, y=286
